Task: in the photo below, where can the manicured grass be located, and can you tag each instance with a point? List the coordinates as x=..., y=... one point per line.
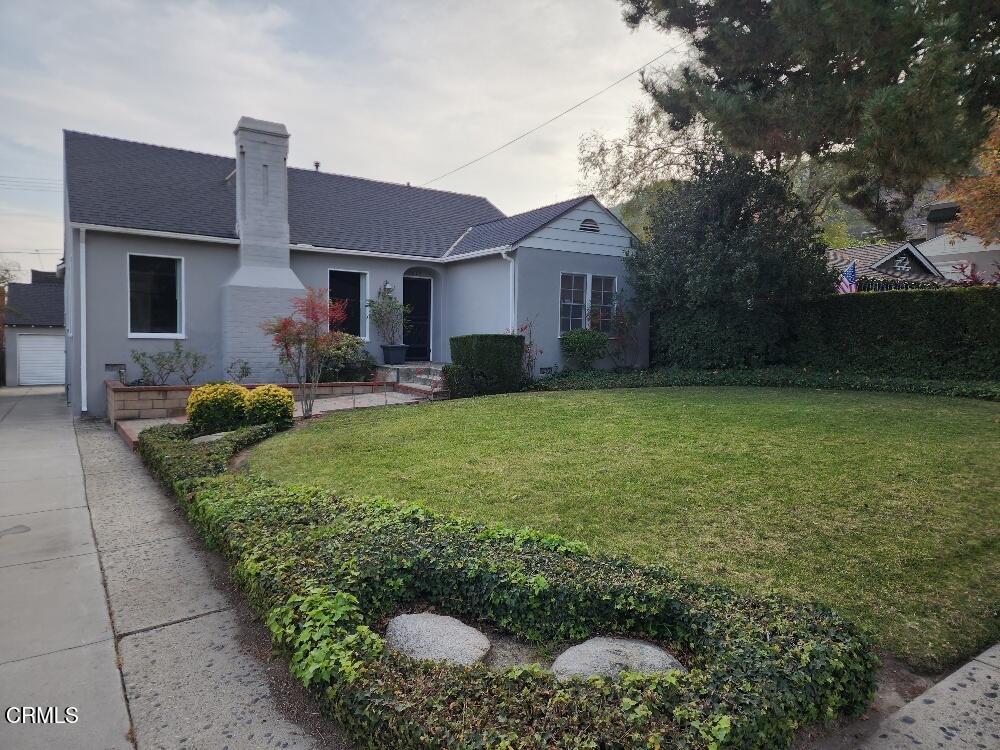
x=885, y=506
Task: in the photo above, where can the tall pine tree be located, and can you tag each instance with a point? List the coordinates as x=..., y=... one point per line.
x=893, y=92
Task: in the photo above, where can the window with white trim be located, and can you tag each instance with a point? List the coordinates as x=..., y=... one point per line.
x=154, y=296
x=602, y=302
x=353, y=287
x=572, y=301
x=586, y=301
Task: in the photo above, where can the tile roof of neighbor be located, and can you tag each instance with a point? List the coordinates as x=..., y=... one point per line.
x=35, y=304
x=119, y=183
x=866, y=256
x=511, y=229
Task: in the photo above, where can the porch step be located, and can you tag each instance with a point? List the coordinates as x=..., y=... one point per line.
x=433, y=392
x=414, y=372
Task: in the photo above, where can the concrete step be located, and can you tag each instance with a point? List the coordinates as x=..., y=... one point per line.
x=429, y=392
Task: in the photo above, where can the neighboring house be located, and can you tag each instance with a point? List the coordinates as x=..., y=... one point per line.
x=163, y=244
x=949, y=251
x=890, y=261
x=33, y=331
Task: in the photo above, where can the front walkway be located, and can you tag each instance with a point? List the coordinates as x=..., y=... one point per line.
x=193, y=663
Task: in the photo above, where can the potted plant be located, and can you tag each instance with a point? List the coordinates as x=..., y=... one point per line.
x=389, y=316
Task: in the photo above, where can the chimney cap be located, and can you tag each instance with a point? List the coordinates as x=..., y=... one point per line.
x=253, y=125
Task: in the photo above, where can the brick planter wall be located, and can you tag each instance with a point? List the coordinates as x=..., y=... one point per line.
x=159, y=401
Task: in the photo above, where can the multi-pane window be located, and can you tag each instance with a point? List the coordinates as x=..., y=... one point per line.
x=154, y=294
x=586, y=301
x=351, y=286
x=572, y=301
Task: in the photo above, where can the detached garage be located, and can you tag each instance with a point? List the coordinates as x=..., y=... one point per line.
x=34, y=336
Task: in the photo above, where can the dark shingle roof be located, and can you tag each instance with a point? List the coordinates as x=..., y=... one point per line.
x=45, y=277
x=124, y=184
x=866, y=256
x=35, y=304
x=511, y=229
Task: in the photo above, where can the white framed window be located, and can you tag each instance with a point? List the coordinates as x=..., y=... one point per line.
x=353, y=287
x=582, y=295
x=602, y=301
x=155, y=296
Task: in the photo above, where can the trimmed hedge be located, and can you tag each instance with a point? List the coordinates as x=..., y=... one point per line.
x=942, y=333
x=988, y=390
x=325, y=572
x=172, y=458
x=485, y=363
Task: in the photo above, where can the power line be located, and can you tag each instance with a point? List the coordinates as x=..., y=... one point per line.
x=579, y=104
x=31, y=252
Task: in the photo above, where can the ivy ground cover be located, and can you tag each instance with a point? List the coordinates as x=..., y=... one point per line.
x=883, y=506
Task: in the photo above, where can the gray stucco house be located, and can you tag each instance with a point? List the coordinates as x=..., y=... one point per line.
x=164, y=244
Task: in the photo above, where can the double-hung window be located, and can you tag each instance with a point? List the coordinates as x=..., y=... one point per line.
x=586, y=301
x=155, y=298
x=572, y=301
x=351, y=286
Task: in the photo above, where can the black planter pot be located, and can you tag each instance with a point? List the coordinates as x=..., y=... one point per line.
x=394, y=354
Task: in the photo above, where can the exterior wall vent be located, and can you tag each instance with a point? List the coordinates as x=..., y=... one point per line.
x=589, y=225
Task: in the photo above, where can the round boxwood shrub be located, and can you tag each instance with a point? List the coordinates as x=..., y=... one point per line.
x=271, y=404
x=215, y=407
x=583, y=347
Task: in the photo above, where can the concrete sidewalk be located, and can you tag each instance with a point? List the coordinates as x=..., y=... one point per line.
x=57, y=645
x=112, y=605
x=961, y=711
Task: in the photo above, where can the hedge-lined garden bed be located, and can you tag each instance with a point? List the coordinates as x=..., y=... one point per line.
x=325, y=572
x=800, y=377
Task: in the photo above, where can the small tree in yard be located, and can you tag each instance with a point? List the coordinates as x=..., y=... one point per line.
x=305, y=339
x=732, y=253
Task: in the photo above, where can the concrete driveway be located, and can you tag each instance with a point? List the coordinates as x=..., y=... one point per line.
x=57, y=645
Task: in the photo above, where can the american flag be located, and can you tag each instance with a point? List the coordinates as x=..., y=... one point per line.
x=848, y=280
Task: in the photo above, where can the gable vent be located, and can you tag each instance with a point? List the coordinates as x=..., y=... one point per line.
x=589, y=225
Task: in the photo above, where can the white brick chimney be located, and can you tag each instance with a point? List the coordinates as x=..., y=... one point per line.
x=263, y=284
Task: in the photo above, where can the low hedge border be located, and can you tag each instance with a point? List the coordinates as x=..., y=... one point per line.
x=988, y=390
x=172, y=458
x=325, y=572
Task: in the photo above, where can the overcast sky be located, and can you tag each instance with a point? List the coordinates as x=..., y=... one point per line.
x=400, y=91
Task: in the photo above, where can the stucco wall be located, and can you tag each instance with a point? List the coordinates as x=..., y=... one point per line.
x=313, y=268
x=206, y=268
x=478, y=298
x=538, y=283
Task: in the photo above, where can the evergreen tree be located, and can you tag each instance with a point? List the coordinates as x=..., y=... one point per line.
x=893, y=92
x=731, y=254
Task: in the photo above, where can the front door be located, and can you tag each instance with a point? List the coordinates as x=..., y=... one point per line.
x=417, y=294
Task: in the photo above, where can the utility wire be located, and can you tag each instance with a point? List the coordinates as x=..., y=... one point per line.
x=535, y=129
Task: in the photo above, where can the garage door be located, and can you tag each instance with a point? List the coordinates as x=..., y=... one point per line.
x=41, y=360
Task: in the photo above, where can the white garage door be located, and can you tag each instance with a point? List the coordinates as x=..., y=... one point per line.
x=41, y=360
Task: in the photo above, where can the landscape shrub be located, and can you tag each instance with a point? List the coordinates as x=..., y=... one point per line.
x=325, y=572
x=942, y=333
x=583, y=347
x=216, y=406
x=270, y=403
x=988, y=390
x=172, y=458
x=485, y=363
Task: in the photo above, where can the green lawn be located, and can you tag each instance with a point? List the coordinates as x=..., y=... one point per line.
x=884, y=506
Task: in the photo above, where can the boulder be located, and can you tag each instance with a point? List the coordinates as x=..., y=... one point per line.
x=437, y=637
x=609, y=656
x=209, y=438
